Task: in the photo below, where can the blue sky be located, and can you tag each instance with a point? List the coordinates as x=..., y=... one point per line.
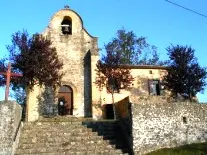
x=161, y=22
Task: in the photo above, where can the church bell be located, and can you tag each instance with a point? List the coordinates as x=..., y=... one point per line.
x=65, y=28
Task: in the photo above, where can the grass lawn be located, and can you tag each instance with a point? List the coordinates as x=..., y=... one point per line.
x=193, y=149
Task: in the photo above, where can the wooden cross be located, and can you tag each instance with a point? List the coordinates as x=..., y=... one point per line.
x=8, y=75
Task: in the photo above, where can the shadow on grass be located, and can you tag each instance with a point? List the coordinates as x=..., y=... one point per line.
x=193, y=149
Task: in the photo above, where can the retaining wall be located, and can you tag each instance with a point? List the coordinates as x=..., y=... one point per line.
x=165, y=125
x=10, y=118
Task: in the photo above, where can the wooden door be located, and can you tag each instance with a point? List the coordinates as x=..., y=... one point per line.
x=65, y=101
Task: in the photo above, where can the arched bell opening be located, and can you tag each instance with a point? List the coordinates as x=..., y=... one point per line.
x=65, y=100
x=66, y=25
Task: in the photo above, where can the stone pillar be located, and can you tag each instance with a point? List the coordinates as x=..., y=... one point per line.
x=10, y=119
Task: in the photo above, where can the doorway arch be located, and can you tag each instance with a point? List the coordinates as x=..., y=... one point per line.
x=65, y=100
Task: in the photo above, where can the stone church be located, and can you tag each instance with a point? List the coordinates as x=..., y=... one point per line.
x=79, y=52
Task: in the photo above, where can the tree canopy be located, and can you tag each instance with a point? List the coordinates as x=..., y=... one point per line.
x=109, y=74
x=35, y=58
x=185, y=76
x=132, y=50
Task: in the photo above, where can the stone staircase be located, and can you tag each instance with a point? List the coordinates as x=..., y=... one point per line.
x=109, y=130
x=70, y=136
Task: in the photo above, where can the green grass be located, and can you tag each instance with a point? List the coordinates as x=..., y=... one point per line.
x=193, y=149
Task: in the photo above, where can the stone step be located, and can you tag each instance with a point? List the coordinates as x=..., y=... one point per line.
x=65, y=146
x=69, y=152
x=108, y=127
x=52, y=124
x=47, y=133
x=65, y=141
x=69, y=135
x=98, y=124
x=69, y=125
x=46, y=127
x=42, y=134
x=57, y=128
x=74, y=148
x=80, y=139
x=60, y=139
x=60, y=134
x=62, y=144
x=76, y=129
x=65, y=119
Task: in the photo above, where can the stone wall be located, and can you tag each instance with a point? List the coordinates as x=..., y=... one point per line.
x=139, y=87
x=164, y=125
x=10, y=118
x=124, y=115
x=75, y=51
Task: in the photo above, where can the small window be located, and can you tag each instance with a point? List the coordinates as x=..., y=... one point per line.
x=154, y=87
x=150, y=71
x=66, y=25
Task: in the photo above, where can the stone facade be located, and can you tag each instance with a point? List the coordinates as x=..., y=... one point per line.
x=140, y=85
x=79, y=52
x=124, y=115
x=10, y=118
x=165, y=125
x=138, y=90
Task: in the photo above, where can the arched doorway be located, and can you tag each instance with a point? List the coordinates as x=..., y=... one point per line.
x=65, y=100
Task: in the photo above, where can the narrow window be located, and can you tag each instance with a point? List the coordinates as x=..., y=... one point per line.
x=154, y=87
x=66, y=25
x=150, y=71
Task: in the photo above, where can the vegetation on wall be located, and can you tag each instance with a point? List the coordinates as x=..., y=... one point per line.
x=185, y=76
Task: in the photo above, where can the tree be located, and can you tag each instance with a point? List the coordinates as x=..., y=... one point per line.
x=185, y=76
x=110, y=74
x=35, y=58
x=132, y=50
